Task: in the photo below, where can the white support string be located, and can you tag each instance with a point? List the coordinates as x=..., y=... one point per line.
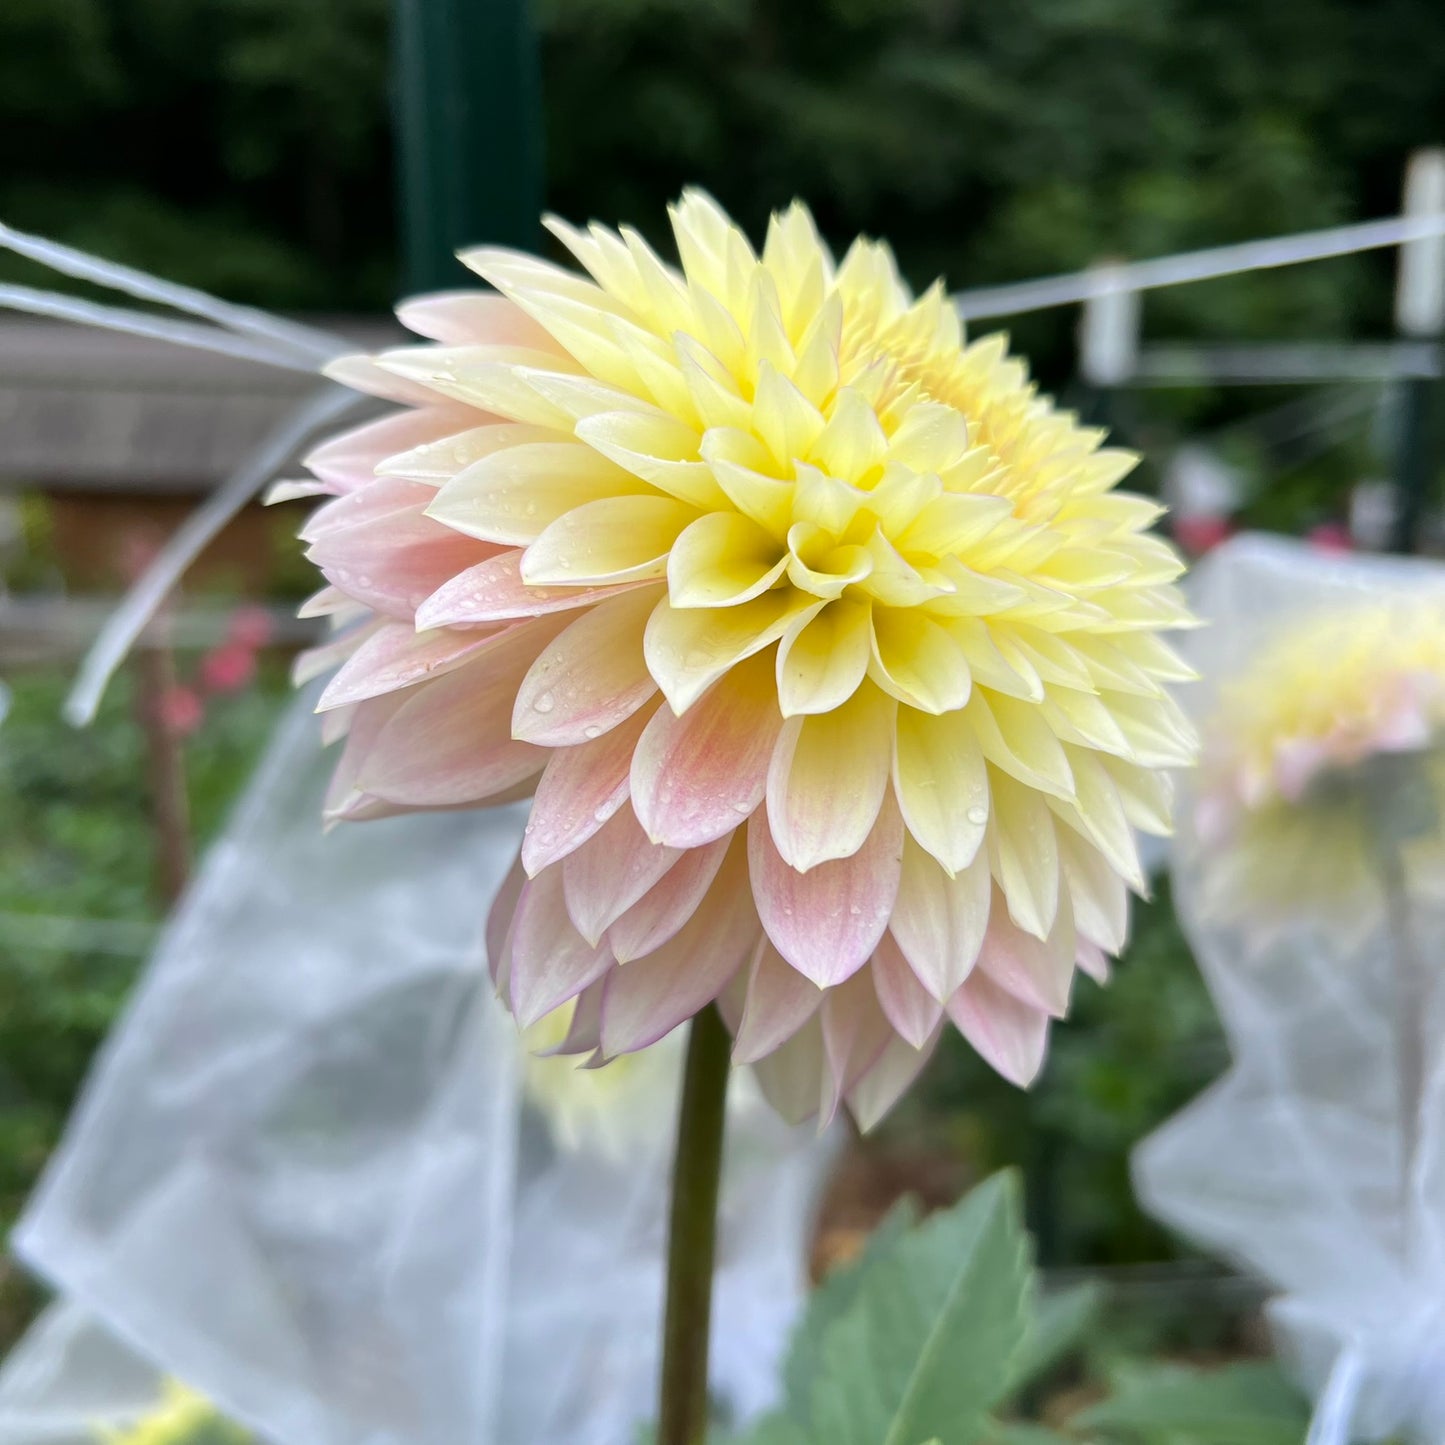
x=988, y=302
x=156, y=327
x=302, y=342
x=125, y=625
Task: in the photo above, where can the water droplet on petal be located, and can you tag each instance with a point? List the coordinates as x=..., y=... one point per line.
x=592, y=731
x=544, y=702
x=977, y=816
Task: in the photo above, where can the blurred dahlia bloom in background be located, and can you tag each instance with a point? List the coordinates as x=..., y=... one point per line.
x=1296, y=782
x=826, y=648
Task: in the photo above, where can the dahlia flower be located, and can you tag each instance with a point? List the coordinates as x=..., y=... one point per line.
x=825, y=648
x=1291, y=793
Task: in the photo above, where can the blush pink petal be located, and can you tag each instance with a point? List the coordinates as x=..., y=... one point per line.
x=350, y=460
x=779, y=1002
x=590, y=677
x=493, y=591
x=364, y=724
x=910, y=1008
x=550, y=961
x=855, y=1033
x=610, y=872
x=1035, y=971
x=1093, y=960
x=380, y=548
x=581, y=788
x=650, y=996
x=499, y=924
x=584, y=1029
x=697, y=777
x=396, y=656
x=791, y=1077
x=314, y=661
x=664, y=910
x=362, y=373
x=827, y=922
x=888, y=1080
x=460, y=318
x=1008, y=1034
x=451, y=742
x=939, y=922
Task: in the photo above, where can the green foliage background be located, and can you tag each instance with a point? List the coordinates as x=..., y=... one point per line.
x=244, y=145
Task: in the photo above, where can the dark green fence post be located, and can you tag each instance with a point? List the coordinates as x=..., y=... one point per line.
x=468, y=129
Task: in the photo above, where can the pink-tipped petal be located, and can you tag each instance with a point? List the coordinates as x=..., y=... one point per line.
x=664, y=910
x=590, y=677
x=493, y=591
x=581, y=788
x=584, y=1029
x=363, y=373
x=939, y=922
x=316, y=661
x=610, y=872
x=395, y=656
x=779, y=1002
x=1009, y=1035
x=350, y=460
x=791, y=1076
x=888, y=1080
x=650, y=996
x=550, y=961
x=380, y=548
x=827, y=922
x=1100, y=897
x=344, y=799
x=499, y=924
x=1093, y=960
x=910, y=1008
x=1038, y=972
x=461, y=318
x=813, y=814
x=697, y=777
x=855, y=1033
x=451, y=741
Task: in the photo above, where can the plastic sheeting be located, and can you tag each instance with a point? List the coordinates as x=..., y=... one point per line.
x=305, y=1179
x=1319, y=1160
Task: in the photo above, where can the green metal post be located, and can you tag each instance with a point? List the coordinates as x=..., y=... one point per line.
x=1414, y=459
x=469, y=132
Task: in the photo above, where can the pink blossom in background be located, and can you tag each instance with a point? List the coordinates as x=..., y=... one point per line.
x=180, y=711
x=228, y=668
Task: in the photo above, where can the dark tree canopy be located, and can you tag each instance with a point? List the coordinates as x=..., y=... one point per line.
x=244, y=144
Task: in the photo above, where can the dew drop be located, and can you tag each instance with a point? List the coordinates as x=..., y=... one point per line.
x=600, y=815
x=591, y=731
x=544, y=702
x=977, y=816
x=742, y=808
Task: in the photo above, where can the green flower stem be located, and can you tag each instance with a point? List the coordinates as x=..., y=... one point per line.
x=692, y=1233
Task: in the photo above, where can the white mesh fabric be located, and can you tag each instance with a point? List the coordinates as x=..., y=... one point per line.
x=1293, y=1164
x=301, y=1179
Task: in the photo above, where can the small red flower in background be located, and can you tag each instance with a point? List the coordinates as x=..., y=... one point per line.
x=180, y=710
x=250, y=627
x=1330, y=537
x=1198, y=534
x=228, y=668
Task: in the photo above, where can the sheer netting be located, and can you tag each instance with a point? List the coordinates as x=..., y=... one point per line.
x=309, y=1180
x=1309, y=874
